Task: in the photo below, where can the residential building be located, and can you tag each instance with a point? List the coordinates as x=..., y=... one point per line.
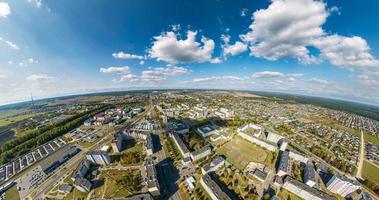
x=151, y=178
x=82, y=184
x=304, y=191
x=201, y=153
x=257, y=141
x=117, y=143
x=283, y=166
x=180, y=144
x=298, y=156
x=99, y=157
x=207, y=130
x=82, y=169
x=149, y=145
x=342, y=185
x=259, y=174
x=213, y=189
x=309, y=174
x=213, y=165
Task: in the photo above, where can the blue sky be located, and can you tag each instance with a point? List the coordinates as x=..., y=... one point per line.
x=59, y=47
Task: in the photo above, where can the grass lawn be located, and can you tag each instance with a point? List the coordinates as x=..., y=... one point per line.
x=370, y=172
x=4, y=122
x=12, y=193
x=287, y=195
x=75, y=194
x=240, y=152
x=110, y=188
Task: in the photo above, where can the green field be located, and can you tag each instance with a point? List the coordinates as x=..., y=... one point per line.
x=240, y=152
x=371, y=138
x=370, y=172
x=6, y=121
x=12, y=194
x=111, y=187
x=286, y=195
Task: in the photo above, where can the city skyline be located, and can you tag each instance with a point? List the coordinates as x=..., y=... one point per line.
x=57, y=48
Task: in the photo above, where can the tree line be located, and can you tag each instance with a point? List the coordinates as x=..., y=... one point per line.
x=27, y=142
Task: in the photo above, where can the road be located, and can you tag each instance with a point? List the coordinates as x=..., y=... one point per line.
x=361, y=156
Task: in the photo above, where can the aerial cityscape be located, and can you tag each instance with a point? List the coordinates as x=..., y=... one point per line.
x=182, y=100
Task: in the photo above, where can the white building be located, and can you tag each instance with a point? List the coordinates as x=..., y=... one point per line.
x=99, y=157
x=298, y=156
x=342, y=185
x=304, y=191
x=257, y=141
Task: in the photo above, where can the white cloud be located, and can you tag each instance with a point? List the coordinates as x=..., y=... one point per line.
x=27, y=62
x=36, y=3
x=346, y=51
x=320, y=81
x=234, y=49
x=5, y=9
x=40, y=78
x=267, y=74
x=160, y=73
x=122, y=55
x=295, y=74
x=244, y=12
x=169, y=48
x=10, y=44
x=115, y=70
x=141, y=62
x=279, y=32
x=128, y=77
x=215, y=78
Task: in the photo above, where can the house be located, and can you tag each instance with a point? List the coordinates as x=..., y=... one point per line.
x=304, y=191
x=309, y=175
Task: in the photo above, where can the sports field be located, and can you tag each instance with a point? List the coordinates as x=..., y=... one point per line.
x=241, y=152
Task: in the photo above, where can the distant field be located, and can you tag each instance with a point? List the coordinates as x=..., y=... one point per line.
x=4, y=122
x=240, y=152
x=370, y=172
x=372, y=138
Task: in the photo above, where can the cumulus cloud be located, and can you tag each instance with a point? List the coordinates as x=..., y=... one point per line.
x=5, y=9
x=10, y=44
x=169, y=47
x=215, y=78
x=232, y=49
x=346, y=51
x=122, y=55
x=267, y=74
x=115, y=70
x=40, y=78
x=287, y=28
